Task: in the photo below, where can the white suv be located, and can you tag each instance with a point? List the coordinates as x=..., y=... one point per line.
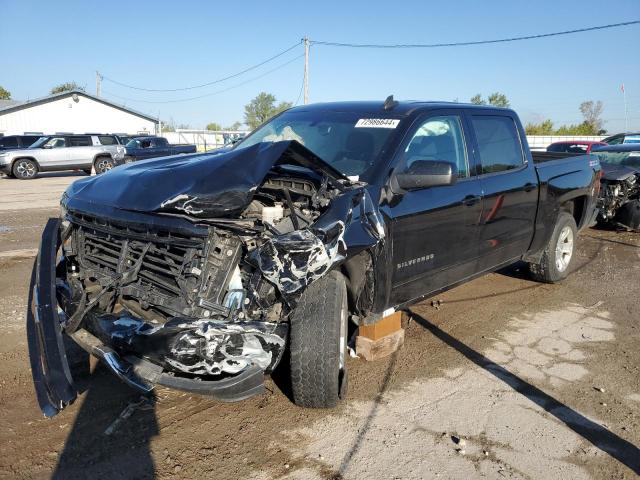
x=63, y=152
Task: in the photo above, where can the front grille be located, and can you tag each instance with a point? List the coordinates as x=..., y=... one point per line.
x=167, y=264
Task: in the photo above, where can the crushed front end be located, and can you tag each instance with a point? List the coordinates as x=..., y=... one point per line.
x=194, y=292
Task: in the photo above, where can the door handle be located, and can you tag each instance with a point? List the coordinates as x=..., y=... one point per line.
x=471, y=200
x=529, y=186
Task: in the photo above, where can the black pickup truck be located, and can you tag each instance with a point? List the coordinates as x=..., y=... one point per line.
x=197, y=273
x=141, y=148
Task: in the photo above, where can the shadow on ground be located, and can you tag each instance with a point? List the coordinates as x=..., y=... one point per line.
x=102, y=442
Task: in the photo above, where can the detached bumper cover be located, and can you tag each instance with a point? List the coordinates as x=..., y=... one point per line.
x=49, y=365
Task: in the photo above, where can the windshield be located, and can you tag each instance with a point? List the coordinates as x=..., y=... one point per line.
x=38, y=143
x=133, y=144
x=627, y=159
x=349, y=142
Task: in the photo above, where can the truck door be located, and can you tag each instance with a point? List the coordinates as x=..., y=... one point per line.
x=435, y=229
x=160, y=147
x=509, y=189
x=55, y=153
x=146, y=149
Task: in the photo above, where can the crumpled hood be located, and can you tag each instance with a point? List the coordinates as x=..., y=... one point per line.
x=613, y=172
x=204, y=185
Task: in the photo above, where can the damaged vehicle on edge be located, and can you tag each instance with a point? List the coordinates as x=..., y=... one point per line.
x=619, y=201
x=196, y=273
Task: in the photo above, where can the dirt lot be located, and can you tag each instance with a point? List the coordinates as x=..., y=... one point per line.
x=538, y=381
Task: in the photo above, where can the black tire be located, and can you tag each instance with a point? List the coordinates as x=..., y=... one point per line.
x=318, y=344
x=103, y=164
x=25, y=169
x=558, y=256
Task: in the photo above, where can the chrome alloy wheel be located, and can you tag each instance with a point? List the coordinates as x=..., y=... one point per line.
x=564, y=248
x=25, y=169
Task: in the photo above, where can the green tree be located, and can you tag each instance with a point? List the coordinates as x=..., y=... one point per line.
x=262, y=108
x=5, y=94
x=543, y=128
x=592, y=114
x=478, y=100
x=214, y=126
x=498, y=99
x=66, y=87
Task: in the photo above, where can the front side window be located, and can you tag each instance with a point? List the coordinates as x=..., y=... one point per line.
x=498, y=143
x=438, y=139
x=55, y=142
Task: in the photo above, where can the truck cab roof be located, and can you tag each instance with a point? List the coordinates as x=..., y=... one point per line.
x=400, y=108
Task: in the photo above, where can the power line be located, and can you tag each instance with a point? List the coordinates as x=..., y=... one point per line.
x=478, y=42
x=212, y=93
x=193, y=87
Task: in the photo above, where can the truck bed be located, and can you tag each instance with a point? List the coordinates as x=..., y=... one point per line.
x=541, y=157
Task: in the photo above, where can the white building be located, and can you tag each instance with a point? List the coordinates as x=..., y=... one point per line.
x=72, y=112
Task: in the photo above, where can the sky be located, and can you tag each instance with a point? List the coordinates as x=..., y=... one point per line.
x=170, y=45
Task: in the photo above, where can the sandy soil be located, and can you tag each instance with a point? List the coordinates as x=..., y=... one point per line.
x=506, y=379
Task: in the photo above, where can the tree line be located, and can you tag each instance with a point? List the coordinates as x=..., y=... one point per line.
x=265, y=105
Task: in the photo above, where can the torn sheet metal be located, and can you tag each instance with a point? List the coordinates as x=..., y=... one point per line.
x=195, y=346
x=206, y=185
x=294, y=260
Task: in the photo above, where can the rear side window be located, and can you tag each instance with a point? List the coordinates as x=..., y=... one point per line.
x=160, y=142
x=9, y=142
x=498, y=143
x=557, y=147
x=28, y=140
x=107, y=140
x=80, y=141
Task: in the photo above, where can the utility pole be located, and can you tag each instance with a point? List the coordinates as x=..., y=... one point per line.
x=306, y=70
x=98, y=85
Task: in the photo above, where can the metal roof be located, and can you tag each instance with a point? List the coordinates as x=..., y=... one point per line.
x=8, y=106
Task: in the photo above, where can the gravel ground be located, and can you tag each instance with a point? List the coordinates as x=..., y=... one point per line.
x=507, y=378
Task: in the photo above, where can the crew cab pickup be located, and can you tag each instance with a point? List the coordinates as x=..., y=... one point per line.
x=141, y=148
x=197, y=273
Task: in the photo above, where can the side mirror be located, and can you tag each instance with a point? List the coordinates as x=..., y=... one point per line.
x=426, y=173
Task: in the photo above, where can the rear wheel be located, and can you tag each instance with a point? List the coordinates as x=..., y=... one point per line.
x=103, y=164
x=25, y=169
x=318, y=344
x=559, y=253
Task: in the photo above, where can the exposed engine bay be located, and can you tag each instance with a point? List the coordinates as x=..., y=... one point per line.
x=206, y=288
x=619, y=200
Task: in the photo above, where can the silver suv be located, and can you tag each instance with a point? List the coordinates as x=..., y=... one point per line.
x=63, y=152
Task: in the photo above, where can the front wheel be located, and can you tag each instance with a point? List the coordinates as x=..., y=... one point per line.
x=318, y=343
x=559, y=253
x=103, y=164
x=25, y=169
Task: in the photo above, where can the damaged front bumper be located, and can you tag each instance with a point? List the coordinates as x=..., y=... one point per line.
x=52, y=377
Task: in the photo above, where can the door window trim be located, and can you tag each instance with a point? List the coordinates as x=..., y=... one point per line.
x=476, y=146
x=398, y=158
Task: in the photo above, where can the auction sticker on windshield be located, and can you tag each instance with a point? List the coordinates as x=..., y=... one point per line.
x=377, y=123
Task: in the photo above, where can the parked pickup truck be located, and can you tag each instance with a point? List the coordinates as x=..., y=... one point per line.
x=141, y=148
x=63, y=152
x=197, y=273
